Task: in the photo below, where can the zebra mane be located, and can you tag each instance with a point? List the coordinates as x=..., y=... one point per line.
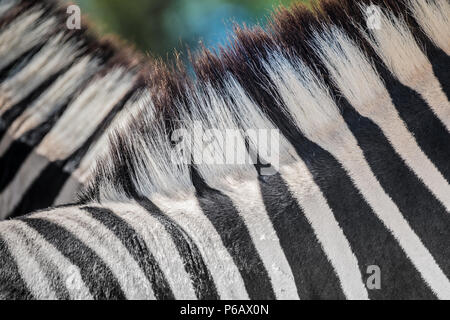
x=288, y=76
x=52, y=79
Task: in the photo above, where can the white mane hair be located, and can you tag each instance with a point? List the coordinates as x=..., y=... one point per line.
x=296, y=67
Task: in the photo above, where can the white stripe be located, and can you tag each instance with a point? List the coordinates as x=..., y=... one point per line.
x=5, y=143
x=29, y=268
x=52, y=99
x=85, y=113
x=100, y=149
x=52, y=58
x=396, y=45
x=308, y=196
x=73, y=128
x=246, y=196
x=431, y=91
x=344, y=147
x=188, y=214
x=361, y=85
x=107, y=246
x=68, y=193
x=238, y=180
x=406, y=146
x=326, y=228
x=52, y=256
x=352, y=159
x=22, y=34
x=433, y=17
x=160, y=244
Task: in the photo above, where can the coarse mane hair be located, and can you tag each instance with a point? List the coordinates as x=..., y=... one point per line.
x=302, y=53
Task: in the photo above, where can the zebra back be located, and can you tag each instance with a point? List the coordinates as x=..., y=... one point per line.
x=60, y=91
x=355, y=178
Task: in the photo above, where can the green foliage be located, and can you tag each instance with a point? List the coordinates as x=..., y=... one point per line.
x=160, y=26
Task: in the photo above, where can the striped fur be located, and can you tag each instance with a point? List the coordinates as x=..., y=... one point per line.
x=362, y=178
x=52, y=80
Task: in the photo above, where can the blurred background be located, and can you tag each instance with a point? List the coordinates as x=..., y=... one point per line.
x=160, y=26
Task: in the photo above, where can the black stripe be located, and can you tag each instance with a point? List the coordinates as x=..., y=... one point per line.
x=18, y=64
x=11, y=162
x=429, y=132
x=267, y=97
x=313, y=273
x=43, y=190
x=370, y=240
x=441, y=64
x=219, y=209
x=190, y=254
x=53, y=178
x=96, y=275
x=136, y=246
x=16, y=110
x=48, y=267
x=425, y=214
x=20, y=149
x=12, y=286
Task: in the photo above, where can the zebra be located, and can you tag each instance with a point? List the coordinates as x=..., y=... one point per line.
x=362, y=177
x=52, y=79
